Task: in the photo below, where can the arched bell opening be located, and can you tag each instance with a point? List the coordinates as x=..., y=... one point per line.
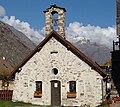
x=55, y=20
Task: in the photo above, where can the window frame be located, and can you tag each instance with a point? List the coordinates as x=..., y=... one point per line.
x=72, y=84
x=72, y=92
x=38, y=91
x=39, y=86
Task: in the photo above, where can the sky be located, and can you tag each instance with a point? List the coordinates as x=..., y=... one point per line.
x=85, y=19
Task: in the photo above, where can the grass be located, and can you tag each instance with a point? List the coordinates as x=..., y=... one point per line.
x=12, y=104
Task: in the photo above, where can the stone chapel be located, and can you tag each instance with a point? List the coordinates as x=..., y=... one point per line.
x=56, y=72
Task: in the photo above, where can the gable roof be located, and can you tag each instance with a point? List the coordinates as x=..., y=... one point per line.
x=55, y=6
x=69, y=46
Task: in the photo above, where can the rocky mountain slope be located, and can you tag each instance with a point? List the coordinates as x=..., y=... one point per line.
x=14, y=45
x=97, y=53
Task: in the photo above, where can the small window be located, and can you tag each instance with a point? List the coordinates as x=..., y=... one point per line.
x=72, y=86
x=38, y=92
x=39, y=85
x=55, y=85
x=72, y=90
x=55, y=71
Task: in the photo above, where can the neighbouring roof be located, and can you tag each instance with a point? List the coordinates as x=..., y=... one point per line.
x=54, y=7
x=108, y=63
x=69, y=46
x=5, y=68
x=107, y=66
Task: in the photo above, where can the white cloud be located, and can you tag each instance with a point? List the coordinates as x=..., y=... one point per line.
x=2, y=11
x=104, y=36
x=24, y=27
x=74, y=32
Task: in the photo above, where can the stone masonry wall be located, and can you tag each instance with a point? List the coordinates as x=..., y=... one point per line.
x=61, y=21
x=70, y=68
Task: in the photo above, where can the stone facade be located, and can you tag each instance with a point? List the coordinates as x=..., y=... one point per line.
x=70, y=68
x=61, y=20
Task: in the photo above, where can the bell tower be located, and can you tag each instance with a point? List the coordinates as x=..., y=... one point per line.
x=55, y=20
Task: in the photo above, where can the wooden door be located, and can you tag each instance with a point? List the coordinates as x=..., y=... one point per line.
x=55, y=93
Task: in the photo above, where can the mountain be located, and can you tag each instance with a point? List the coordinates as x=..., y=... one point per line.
x=14, y=45
x=96, y=52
